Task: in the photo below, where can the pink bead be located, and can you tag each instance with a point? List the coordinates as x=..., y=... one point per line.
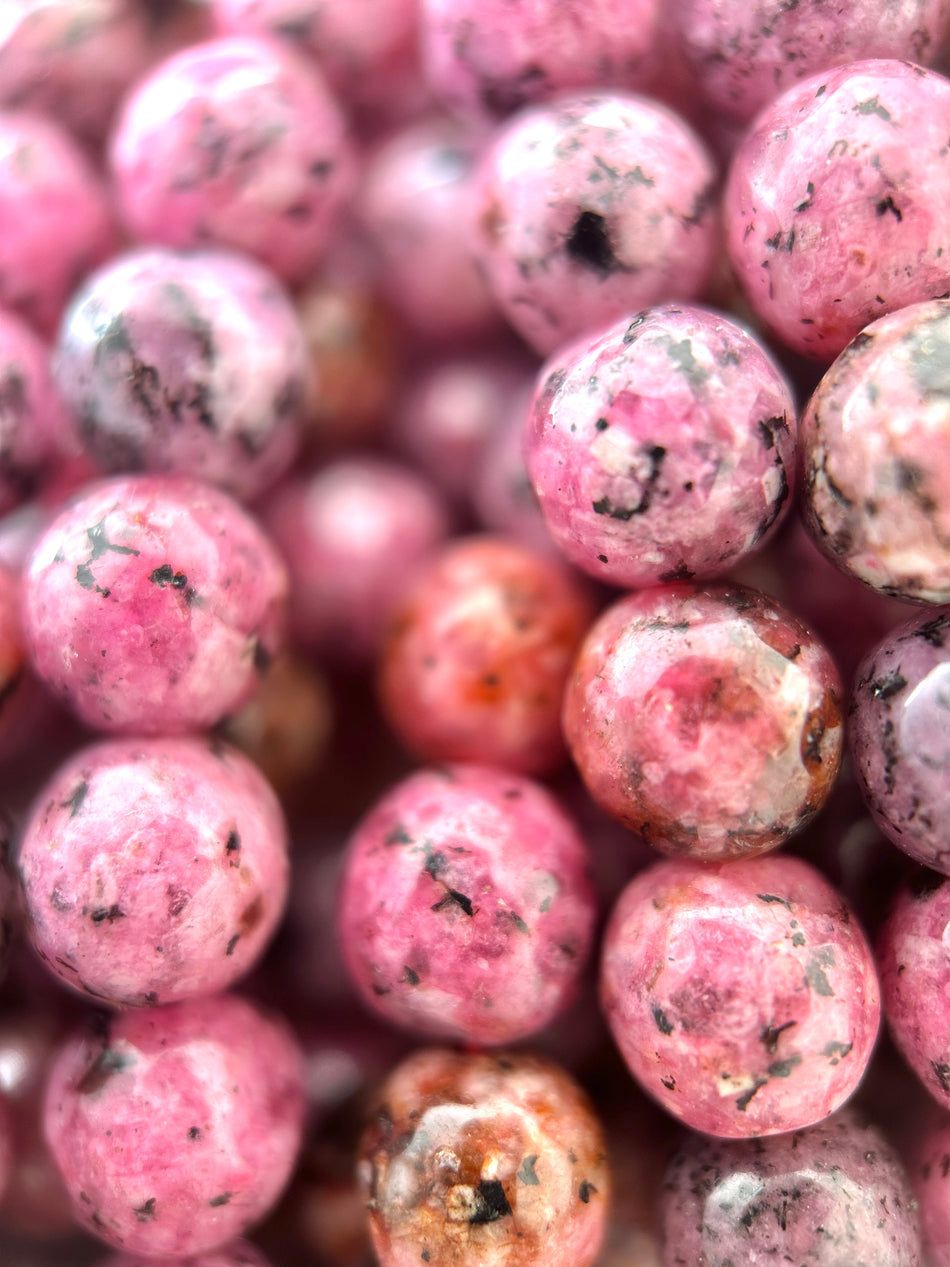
x=154, y=870
x=239, y=1254
x=932, y=1189
x=152, y=603
x=234, y=143
x=862, y=148
x=56, y=220
x=354, y=535
x=708, y=720
x=742, y=55
x=591, y=208
x=490, y=57
x=466, y=910
x=742, y=995
x=662, y=449
x=484, y=1161
x=478, y=655
x=189, y=363
x=176, y=1128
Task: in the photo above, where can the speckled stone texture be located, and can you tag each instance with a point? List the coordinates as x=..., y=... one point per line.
x=932, y=1187
x=899, y=732
x=742, y=995
x=466, y=908
x=240, y=1254
x=189, y=363
x=33, y=418
x=56, y=218
x=152, y=603
x=154, y=870
x=662, y=449
x=176, y=1128
x=834, y=1195
x=863, y=148
x=591, y=208
x=72, y=59
x=488, y=59
x=484, y=1161
x=876, y=453
x=743, y=53
x=708, y=720
x=914, y=962
x=234, y=142
x=478, y=654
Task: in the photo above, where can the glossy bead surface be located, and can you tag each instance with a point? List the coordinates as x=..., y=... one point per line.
x=484, y=1161
x=176, y=1128
x=33, y=417
x=154, y=870
x=466, y=909
x=862, y=148
x=708, y=720
x=151, y=603
x=742, y=995
x=189, y=363
x=832, y=1195
x=932, y=1187
x=233, y=143
x=591, y=208
x=662, y=449
x=876, y=454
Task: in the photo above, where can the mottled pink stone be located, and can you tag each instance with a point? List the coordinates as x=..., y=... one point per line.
x=239, y=1254
x=154, y=870
x=466, y=909
x=176, y=1128
x=914, y=961
x=191, y=363
x=742, y=995
x=932, y=1187
x=743, y=53
x=234, y=142
x=708, y=720
x=72, y=59
x=416, y=203
x=354, y=533
x=57, y=224
x=152, y=603
x=833, y=1194
x=876, y=453
x=899, y=731
x=837, y=206
x=478, y=654
x=490, y=57
x=34, y=422
x=591, y=208
x=484, y=1161
x=662, y=449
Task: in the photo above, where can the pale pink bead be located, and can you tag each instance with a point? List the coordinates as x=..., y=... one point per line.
x=238, y=1254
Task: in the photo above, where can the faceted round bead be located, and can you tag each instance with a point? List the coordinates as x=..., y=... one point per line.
x=478, y=654
x=708, y=720
x=237, y=1254
x=863, y=149
x=914, y=961
x=233, y=142
x=743, y=53
x=591, y=208
x=188, y=363
x=876, y=452
x=72, y=59
x=152, y=603
x=466, y=909
x=899, y=732
x=484, y=1161
x=833, y=1194
x=490, y=57
x=154, y=870
x=55, y=216
x=742, y=995
x=354, y=533
x=662, y=449
x=176, y=1128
